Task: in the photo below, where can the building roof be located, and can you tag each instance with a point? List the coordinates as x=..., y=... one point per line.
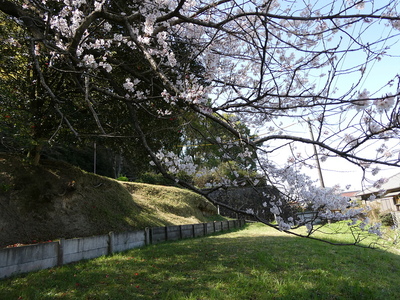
x=350, y=194
x=392, y=194
x=392, y=183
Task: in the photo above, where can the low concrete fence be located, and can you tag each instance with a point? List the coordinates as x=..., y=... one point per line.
x=36, y=257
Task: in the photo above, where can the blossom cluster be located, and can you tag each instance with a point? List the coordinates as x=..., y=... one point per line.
x=175, y=164
x=326, y=203
x=385, y=103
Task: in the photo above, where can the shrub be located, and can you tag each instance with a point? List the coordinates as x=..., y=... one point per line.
x=154, y=178
x=123, y=178
x=386, y=219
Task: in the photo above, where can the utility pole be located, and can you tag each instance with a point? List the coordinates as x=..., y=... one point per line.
x=321, y=179
x=94, y=157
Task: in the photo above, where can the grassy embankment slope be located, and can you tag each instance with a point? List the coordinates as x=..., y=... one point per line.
x=55, y=199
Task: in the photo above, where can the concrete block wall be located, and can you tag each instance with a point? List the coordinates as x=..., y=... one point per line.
x=84, y=248
x=36, y=257
x=174, y=233
x=129, y=240
x=28, y=258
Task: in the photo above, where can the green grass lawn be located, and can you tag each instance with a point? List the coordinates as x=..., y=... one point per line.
x=252, y=263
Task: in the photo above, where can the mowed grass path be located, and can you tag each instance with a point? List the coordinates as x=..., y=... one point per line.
x=252, y=263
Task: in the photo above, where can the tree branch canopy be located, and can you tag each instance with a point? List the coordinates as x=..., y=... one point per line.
x=207, y=90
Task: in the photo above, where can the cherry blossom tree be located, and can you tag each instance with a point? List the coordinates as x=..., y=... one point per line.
x=265, y=62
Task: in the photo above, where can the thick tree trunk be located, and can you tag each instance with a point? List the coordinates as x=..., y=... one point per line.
x=35, y=154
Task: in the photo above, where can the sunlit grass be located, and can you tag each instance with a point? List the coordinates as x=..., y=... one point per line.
x=254, y=263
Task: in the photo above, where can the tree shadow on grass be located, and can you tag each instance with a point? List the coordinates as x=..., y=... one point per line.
x=221, y=267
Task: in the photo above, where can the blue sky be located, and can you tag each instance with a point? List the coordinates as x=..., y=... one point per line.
x=377, y=74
